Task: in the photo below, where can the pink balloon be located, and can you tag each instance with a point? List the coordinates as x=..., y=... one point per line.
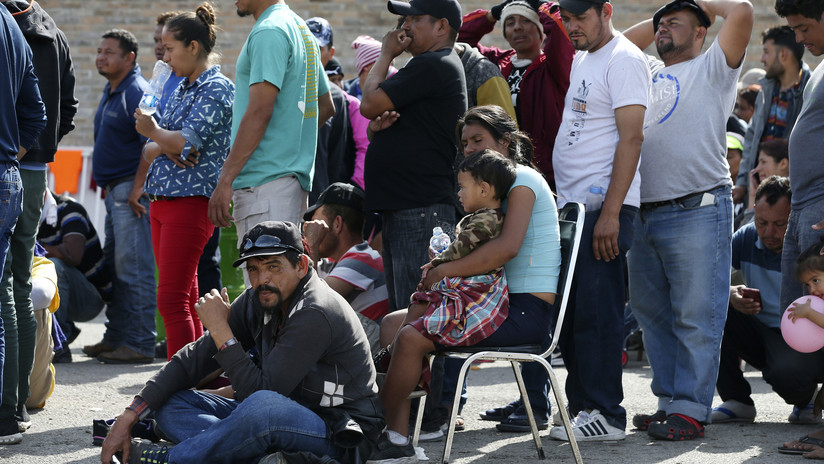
x=804, y=335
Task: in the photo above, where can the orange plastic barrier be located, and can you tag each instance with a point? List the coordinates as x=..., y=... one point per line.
x=66, y=170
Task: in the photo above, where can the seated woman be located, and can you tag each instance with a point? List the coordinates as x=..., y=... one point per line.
x=528, y=248
x=186, y=153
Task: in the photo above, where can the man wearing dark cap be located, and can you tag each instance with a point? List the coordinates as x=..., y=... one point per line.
x=308, y=386
x=679, y=267
x=409, y=172
x=598, y=145
x=334, y=232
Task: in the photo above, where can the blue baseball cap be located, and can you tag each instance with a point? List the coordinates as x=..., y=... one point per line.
x=321, y=29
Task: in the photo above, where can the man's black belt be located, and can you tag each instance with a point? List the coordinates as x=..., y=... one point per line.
x=108, y=187
x=153, y=197
x=674, y=201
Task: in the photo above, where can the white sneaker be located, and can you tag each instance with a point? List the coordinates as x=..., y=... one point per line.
x=733, y=411
x=425, y=437
x=804, y=415
x=555, y=359
x=557, y=420
x=589, y=426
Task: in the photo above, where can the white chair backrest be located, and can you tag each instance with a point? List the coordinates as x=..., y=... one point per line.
x=571, y=222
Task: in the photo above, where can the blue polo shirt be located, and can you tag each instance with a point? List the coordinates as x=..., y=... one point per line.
x=761, y=269
x=117, y=145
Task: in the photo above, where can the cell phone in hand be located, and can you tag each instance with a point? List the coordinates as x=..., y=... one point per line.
x=752, y=293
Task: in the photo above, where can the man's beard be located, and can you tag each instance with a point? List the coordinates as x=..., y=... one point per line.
x=243, y=13
x=669, y=48
x=268, y=310
x=774, y=71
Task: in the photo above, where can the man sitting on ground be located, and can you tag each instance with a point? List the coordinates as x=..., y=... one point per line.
x=346, y=261
x=308, y=387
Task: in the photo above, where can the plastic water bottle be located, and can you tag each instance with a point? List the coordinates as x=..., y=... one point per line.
x=161, y=73
x=595, y=198
x=439, y=241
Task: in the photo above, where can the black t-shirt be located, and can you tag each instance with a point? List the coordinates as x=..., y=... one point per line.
x=73, y=219
x=411, y=164
x=516, y=75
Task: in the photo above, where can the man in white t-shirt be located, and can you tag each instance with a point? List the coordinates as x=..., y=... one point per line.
x=679, y=266
x=596, y=162
x=334, y=232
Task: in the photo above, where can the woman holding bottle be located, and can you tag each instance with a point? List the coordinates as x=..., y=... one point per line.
x=184, y=157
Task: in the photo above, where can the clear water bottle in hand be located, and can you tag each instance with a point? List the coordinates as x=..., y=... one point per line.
x=151, y=97
x=439, y=241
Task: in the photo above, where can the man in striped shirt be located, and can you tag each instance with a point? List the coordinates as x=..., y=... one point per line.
x=334, y=231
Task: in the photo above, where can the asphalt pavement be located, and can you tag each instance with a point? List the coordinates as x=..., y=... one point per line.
x=87, y=390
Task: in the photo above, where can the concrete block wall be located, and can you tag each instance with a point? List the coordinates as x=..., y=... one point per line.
x=84, y=21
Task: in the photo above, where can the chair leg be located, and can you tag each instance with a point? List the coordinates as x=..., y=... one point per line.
x=559, y=400
x=516, y=369
x=453, y=414
x=416, y=433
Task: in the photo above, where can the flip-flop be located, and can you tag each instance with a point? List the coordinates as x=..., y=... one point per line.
x=460, y=424
x=806, y=439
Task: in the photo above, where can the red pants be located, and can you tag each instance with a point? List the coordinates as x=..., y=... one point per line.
x=180, y=230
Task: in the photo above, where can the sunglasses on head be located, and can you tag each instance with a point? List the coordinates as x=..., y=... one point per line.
x=266, y=241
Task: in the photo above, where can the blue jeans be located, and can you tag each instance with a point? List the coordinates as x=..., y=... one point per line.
x=592, y=336
x=128, y=246
x=406, y=235
x=679, y=277
x=799, y=236
x=529, y=322
x=211, y=428
x=11, y=205
x=79, y=299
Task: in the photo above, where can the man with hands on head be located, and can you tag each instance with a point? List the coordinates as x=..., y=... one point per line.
x=679, y=268
x=536, y=68
x=309, y=385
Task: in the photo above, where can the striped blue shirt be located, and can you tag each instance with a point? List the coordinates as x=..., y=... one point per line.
x=761, y=269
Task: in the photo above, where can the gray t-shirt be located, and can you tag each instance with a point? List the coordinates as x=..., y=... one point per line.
x=806, y=168
x=685, y=147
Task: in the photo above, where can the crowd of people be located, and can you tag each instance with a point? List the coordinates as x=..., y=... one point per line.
x=335, y=187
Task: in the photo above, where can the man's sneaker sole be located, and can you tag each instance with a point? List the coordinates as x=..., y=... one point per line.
x=12, y=439
x=676, y=428
x=642, y=421
x=427, y=437
x=403, y=460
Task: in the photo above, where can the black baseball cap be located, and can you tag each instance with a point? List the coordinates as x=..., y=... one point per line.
x=678, y=5
x=268, y=239
x=339, y=193
x=577, y=7
x=447, y=9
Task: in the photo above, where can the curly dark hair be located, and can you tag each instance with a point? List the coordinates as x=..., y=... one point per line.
x=807, y=8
